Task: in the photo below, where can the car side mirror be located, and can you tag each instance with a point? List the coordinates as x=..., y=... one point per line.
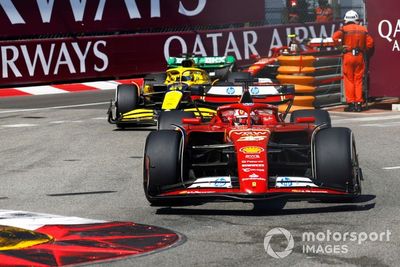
x=305, y=120
x=255, y=56
x=193, y=121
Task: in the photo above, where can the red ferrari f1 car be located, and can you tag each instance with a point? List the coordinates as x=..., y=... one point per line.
x=249, y=153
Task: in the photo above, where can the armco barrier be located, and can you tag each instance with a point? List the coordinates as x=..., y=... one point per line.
x=316, y=79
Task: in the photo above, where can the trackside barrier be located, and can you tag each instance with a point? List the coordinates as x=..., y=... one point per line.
x=316, y=78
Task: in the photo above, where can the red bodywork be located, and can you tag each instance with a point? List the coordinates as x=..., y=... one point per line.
x=250, y=140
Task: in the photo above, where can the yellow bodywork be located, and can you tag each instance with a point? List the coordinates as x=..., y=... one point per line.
x=190, y=76
x=139, y=114
x=205, y=112
x=171, y=100
x=18, y=238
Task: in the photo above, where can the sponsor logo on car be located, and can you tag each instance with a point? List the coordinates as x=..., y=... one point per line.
x=252, y=161
x=253, y=165
x=294, y=182
x=252, y=156
x=252, y=150
x=204, y=182
x=252, y=170
x=285, y=181
x=252, y=138
x=254, y=179
x=254, y=91
x=220, y=182
x=251, y=133
x=230, y=90
x=214, y=60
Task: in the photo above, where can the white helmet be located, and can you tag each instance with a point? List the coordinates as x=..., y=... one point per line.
x=351, y=16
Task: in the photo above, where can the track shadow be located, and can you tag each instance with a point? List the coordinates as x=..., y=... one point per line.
x=360, y=204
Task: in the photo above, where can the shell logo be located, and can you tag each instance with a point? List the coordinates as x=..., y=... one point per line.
x=251, y=150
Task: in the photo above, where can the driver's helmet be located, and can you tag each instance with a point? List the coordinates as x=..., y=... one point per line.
x=187, y=76
x=240, y=117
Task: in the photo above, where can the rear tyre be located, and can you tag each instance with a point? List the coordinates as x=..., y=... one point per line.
x=336, y=163
x=167, y=118
x=161, y=163
x=321, y=116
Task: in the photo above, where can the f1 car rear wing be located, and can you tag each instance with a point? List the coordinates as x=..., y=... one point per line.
x=218, y=95
x=217, y=67
x=202, y=62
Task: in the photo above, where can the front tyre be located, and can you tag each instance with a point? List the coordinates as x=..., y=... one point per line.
x=127, y=98
x=336, y=162
x=161, y=163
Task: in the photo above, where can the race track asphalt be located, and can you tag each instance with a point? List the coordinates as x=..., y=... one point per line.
x=49, y=154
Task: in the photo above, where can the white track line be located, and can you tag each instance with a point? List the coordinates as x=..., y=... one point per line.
x=58, y=107
x=388, y=124
x=391, y=168
x=18, y=125
x=375, y=118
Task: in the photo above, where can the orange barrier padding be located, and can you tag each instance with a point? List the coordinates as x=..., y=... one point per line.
x=282, y=108
x=300, y=102
x=306, y=101
x=295, y=70
x=304, y=89
x=304, y=61
x=295, y=79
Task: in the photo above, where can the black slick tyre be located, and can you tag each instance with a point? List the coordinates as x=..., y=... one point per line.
x=336, y=163
x=161, y=163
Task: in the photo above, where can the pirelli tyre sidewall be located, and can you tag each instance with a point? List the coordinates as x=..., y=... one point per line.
x=161, y=161
x=321, y=116
x=335, y=159
x=127, y=98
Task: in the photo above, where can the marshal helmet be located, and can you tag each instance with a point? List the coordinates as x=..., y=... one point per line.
x=351, y=16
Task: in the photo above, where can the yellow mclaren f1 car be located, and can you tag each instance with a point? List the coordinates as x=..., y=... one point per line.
x=136, y=105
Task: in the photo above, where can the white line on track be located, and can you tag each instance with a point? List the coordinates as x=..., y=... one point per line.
x=18, y=125
x=388, y=124
x=57, y=107
x=375, y=118
x=391, y=168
